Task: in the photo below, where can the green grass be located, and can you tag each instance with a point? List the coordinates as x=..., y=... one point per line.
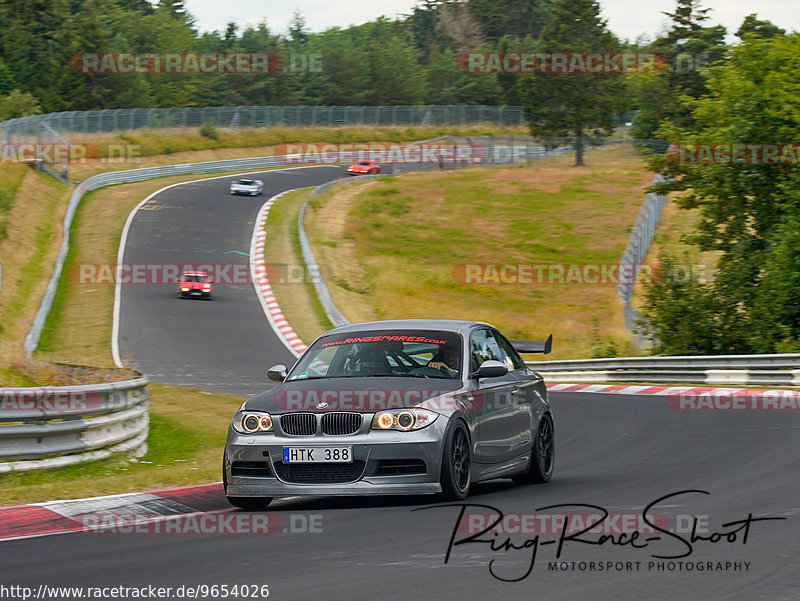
x=12, y=377
x=298, y=300
x=48, y=339
x=35, y=268
x=10, y=179
x=413, y=233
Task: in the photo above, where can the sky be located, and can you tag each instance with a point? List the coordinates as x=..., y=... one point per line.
x=628, y=19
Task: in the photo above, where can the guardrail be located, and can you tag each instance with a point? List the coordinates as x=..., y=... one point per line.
x=724, y=370
x=636, y=250
x=49, y=426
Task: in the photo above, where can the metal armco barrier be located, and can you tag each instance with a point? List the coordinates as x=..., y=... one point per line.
x=638, y=244
x=54, y=426
x=718, y=370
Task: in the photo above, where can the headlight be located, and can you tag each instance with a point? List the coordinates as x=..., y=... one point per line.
x=252, y=422
x=184, y=290
x=403, y=419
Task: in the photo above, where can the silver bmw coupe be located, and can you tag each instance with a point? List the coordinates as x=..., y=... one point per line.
x=418, y=406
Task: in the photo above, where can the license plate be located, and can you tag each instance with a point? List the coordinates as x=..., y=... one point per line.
x=318, y=454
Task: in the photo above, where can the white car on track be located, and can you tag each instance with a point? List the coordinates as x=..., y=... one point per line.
x=246, y=186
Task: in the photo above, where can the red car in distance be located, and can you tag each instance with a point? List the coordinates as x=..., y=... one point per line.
x=195, y=284
x=364, y=168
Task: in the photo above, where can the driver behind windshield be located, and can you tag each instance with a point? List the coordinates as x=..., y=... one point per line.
x=446, y=360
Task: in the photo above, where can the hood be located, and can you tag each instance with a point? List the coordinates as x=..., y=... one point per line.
x=365, y=395
x=195, y=285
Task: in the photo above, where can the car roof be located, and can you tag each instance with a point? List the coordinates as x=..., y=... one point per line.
x=193, y=273
x=446, y=325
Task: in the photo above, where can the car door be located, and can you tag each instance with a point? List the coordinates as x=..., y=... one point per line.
x=496, y=423
x=527, y=398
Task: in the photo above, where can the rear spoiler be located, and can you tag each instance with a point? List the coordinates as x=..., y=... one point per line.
x=533, y=346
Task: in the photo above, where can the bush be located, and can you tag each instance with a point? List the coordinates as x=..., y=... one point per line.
x=209, y=130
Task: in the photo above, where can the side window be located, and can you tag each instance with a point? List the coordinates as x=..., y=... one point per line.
x=512, y=358
x=483, y=347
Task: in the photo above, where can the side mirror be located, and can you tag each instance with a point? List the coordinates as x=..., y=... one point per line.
x=491, y=369
x=277, y=373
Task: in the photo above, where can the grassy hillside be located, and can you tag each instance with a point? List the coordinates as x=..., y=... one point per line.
x=399, y=247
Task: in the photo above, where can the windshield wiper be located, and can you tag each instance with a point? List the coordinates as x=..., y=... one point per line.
x=315, y=378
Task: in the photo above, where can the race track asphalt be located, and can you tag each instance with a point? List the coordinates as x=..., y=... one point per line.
x=614, y=452
x=618, y=453
x=222, y=345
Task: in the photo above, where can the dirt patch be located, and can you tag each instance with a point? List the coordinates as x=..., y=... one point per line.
x=62, y=374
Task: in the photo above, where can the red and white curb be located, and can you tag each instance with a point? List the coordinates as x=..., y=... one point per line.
x=258, y=271
x=59, y=517
x=671, y=391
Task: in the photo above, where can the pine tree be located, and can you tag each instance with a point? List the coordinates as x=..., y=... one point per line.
x=689, y=47
x=575, y=106
x=763, y=29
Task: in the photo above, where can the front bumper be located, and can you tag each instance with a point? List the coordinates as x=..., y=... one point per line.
x=373, y=451
x=245, y=192
x=195, y=294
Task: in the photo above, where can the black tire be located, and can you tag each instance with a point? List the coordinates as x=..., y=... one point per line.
x=540, y=468
x=250, y=503
x=456, y=475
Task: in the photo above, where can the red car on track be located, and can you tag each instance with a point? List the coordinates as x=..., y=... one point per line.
x=364, y=168
x=195, y=284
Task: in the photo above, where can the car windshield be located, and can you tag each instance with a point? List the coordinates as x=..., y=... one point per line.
x=413, y=354
x=193, y=278
x=246, y=182
x=367, y=163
